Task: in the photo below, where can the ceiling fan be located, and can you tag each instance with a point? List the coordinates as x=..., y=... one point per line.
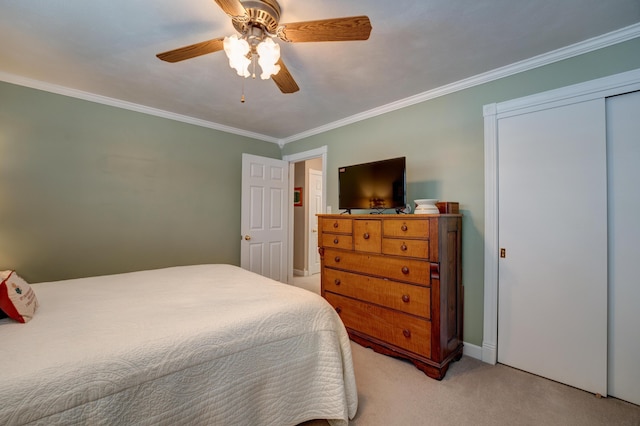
x=257, y=21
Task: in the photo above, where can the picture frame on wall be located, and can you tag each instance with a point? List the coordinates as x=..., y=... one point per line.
x=297, y=196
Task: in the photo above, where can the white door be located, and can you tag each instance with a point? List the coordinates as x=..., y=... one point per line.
x=623, y=154
x=314, y=198
x=264, y=216
x=552, y=290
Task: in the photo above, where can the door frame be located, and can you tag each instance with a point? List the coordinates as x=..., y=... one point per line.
x=292, y=159
x=599, y=88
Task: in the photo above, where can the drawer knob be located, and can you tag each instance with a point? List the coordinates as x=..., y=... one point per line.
x=406, y=333
x=335, y=224
x=404, y=227
x=405, y=270
x=406, y=298
x=366, y=236
x=403, y=247
x=335, y=241
x=338, y=309
x=337, y=258
x=337, y=281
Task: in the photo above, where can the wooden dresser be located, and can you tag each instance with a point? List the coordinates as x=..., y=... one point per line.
x=396, y=282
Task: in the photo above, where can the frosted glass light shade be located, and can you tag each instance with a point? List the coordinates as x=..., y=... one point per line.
x=237, y=50
x=268, y=56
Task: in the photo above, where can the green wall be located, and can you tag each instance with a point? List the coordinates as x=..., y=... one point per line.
x=88, y=189
x=443, y=140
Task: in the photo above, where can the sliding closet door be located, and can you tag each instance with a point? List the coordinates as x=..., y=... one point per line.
x=552, y=290
x=623, y=146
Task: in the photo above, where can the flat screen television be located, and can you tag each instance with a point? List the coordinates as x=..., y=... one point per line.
x=379, y=185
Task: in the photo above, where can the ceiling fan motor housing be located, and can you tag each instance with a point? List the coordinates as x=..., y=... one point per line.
x=262, y=13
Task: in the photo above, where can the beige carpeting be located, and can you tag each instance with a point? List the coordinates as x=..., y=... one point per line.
x=311, y=283
x=393, y=392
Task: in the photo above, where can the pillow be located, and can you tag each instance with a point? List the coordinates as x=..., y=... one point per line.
x=17, y=298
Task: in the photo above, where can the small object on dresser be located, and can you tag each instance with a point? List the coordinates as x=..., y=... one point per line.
x=426, y=206
x=448, y=207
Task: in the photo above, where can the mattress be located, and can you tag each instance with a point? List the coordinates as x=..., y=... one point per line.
x=196, y=345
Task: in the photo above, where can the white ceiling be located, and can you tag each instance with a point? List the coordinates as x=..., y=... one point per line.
x=107, y=49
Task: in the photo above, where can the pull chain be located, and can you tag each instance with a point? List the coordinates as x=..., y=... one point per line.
x=253, y=64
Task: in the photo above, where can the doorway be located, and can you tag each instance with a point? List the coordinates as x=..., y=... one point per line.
x=308, y=183
x=301, y=255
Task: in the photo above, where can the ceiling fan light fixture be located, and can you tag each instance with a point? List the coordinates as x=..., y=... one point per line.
x=240, y=53
x=257, y=23
x=237, y=50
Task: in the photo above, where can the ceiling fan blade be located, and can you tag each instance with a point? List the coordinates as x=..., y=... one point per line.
x=284, y=80
x=192, y=51
x=337, y=29
x=234, y=9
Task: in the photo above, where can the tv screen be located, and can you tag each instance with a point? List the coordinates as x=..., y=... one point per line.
x=378, y=185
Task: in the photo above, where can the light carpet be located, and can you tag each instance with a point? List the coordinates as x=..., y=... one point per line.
x=393, y=392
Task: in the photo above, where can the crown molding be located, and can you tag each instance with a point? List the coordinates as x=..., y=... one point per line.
x=595, y=43
x=91, y=97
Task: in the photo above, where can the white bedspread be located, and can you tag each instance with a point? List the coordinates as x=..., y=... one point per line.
x=206, y=344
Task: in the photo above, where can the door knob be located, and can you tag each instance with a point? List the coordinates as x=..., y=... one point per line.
x=247, y=237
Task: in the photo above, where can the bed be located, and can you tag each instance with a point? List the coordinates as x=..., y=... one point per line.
x=196, y=345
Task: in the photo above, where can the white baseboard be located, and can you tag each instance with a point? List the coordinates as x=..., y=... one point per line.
x=300, y=273
x=489, y=353
x=474, y=351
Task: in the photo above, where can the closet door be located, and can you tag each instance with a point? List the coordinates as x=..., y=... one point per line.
x=623, y=154
x=552, y=290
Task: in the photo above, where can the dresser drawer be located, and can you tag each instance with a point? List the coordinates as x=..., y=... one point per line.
x=396, y=268
x=411, y=248
x=338, y=225
x=406, y=228
x=367, y=235
x=412, y=299
x=337, y=241
x=402, y=330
